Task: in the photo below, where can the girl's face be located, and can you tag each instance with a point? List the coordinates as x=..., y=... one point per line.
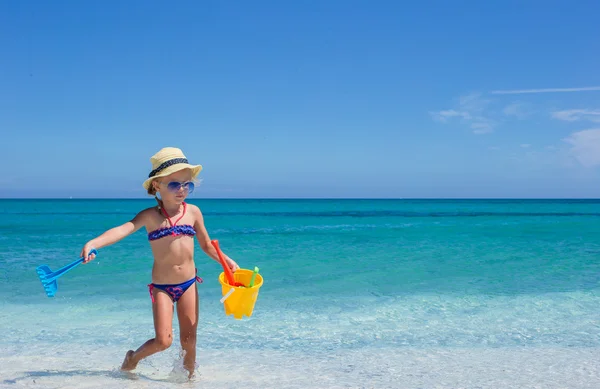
x=175, y=187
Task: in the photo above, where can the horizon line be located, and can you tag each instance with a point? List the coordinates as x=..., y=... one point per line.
x=303, y=198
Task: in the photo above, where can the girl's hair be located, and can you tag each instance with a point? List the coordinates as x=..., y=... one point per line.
x=151, y=189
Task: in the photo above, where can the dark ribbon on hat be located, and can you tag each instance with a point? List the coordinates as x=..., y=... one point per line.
x=166, y=164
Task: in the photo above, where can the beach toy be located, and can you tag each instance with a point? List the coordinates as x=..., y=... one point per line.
x=238, y=300
x=49, y=277
x=254, y=273
x=226, y=268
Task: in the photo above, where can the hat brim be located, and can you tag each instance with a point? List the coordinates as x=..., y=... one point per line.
x=196, y=169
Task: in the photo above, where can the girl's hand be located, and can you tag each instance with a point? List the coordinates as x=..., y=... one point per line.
x=85, y=253
x=231, y=263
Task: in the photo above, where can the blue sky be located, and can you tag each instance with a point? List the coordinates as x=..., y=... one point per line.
x=302, y=99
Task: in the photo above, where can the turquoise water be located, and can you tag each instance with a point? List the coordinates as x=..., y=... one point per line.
x=361, y=293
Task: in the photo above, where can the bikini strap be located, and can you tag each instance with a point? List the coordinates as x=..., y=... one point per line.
x=169, y=218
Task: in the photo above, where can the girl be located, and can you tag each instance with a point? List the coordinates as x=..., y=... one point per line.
x=171, y=227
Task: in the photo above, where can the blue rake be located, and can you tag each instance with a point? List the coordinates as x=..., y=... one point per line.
x=49, y=277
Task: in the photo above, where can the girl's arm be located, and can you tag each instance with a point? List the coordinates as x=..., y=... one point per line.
x=113, y=235
x=204, y=240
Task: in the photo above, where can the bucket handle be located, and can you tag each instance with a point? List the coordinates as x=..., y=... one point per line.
x=227, y=295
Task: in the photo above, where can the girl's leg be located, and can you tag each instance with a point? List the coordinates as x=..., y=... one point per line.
x=162, y=309
x=187, y=315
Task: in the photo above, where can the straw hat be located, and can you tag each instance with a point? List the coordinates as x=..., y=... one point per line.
x=168, y=161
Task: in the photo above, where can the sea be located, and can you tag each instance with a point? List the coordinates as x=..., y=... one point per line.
x=356, y=294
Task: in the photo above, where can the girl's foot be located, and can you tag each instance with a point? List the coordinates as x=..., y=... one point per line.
x=128, y=362
x=191, y=374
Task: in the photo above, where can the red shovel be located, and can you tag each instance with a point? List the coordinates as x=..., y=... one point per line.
x=228, y=272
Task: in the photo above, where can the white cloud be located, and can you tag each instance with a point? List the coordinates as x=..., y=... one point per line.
x=482, y=127
x=473, y=102
x=572, y=115
x=585, y=146
x=525, y=145
x=443, y=116
x=516, y=109
x=545, y=90
x=469, y=109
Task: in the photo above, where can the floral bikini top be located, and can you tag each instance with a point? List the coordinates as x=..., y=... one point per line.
x=174, y=230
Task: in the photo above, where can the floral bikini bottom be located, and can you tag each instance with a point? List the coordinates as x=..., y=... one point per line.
x=174, y=290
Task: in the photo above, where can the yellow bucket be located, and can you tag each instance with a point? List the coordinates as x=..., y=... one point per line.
x=238, y=300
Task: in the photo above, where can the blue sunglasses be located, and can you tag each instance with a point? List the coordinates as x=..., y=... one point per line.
x=175, y=186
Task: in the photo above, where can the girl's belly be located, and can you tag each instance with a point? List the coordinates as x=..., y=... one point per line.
x=173, y=260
